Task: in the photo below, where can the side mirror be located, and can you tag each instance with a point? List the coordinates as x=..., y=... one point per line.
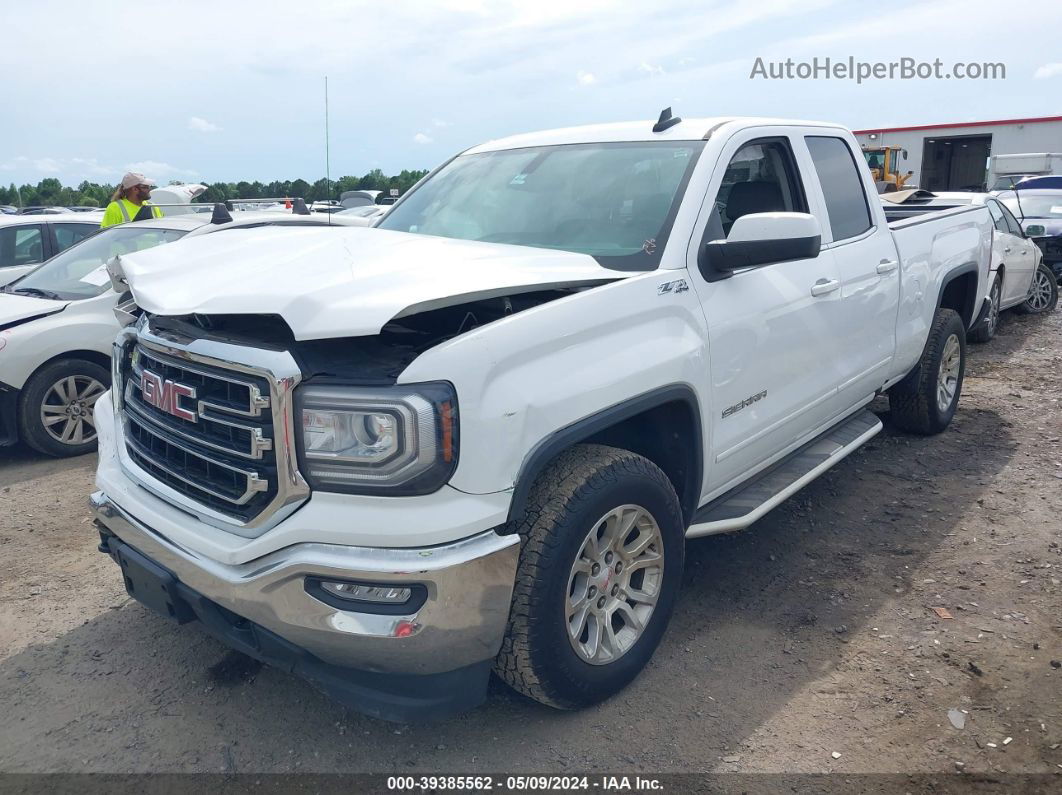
x=759, y=239
x=1035, y=230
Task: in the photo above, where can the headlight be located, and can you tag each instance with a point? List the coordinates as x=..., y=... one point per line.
x=398, y=440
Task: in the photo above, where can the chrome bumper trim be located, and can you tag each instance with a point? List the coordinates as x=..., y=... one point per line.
x=469, y=583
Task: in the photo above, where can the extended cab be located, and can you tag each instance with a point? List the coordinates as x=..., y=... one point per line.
x=477, y=436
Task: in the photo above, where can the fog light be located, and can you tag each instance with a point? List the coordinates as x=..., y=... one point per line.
x=381, y=598
x=375, y=594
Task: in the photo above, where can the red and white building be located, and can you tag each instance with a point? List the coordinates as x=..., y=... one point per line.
x=955, y=156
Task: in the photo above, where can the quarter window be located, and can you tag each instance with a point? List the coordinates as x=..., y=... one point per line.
x=21, y=245
x=997, y=216
x=1012, y=223
x=846, y=201
x=761, y=178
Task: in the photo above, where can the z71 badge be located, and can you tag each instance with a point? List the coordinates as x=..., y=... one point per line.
x=677, y=286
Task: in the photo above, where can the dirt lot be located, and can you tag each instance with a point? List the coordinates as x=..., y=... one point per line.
x=809, y=635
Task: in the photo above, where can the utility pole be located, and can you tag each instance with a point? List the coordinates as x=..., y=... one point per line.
x=328, y=171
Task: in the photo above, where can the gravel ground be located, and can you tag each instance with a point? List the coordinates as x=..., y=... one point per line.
x=807, y=637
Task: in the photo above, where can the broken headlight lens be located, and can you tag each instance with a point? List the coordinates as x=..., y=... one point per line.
x=395, y=440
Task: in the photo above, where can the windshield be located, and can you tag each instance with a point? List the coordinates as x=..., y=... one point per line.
x=875, y=159
x=80, y=271
x=1006, y=182
x=613, y=201
x=1035, y=206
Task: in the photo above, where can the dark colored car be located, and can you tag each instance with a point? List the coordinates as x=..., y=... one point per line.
x=1040, y=213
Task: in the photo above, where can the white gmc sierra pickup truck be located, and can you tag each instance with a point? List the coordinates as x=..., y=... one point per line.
x=476, y=437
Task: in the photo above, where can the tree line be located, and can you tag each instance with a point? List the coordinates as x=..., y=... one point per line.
x=51, y=192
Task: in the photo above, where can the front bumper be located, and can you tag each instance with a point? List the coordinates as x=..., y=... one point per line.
x=1052, y=251
x=432, y=662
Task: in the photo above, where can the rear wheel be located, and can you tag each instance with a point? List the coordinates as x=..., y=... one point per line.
x=600, y=566
x=925, y=401
x=57, y=407
x=986, y=329
x=1044, y=295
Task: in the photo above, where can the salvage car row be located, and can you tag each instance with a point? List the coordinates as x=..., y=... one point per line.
x=476, y=436
x=58, y=322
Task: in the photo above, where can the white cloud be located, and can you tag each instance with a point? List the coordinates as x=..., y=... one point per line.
x=654, y=70
x=153, y=169
x=48, y=165
x=441, y=123
x=421, y=138
x=90, y=165
x=1048, y=70
x=201, y=125
x=586, y=78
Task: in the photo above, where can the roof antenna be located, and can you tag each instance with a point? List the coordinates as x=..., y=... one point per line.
x=298, y=207
x=665, y=121
x=328, y=171
x=220, y=214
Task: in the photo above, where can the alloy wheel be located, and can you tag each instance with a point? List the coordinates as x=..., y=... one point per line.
x=67, y=412
x=1040, y=297
x=948, y=375
x=993, y=310
x=614, y=584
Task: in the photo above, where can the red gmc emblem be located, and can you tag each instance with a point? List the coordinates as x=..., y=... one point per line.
x=166, y=395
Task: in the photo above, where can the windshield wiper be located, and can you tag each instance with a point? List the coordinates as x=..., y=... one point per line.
x=36, y=291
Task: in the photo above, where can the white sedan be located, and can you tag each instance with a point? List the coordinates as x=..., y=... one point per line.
x=1018, y=279
x=57, y=324
x=28, y=240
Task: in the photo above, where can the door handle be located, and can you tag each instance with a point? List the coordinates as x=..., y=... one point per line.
x=1006, y=251
x=887, y=266
x=824, y=286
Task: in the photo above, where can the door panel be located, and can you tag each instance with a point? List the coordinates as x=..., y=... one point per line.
x=774, y=366
x=1014, y=255
x=866, y=259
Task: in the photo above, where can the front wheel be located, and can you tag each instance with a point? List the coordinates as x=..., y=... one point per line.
x=986, y=329
x=925, y=401
x=1044, y=295
x=57, y=407
x=600, y=566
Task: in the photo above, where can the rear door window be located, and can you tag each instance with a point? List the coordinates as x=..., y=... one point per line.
x=68, y=234
x=846, y=201
x=21, y=245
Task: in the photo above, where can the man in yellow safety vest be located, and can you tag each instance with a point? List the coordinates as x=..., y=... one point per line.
x=130, y=202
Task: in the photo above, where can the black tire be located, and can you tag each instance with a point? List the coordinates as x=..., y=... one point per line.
x=579, y=488
x=913, y=402
x=1045, y=296
x=40, y=390
x=986, y=329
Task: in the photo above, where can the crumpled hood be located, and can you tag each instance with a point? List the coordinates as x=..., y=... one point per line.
x=16, y=309
x=340, y=282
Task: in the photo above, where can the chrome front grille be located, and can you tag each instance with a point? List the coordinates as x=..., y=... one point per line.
x=201, y=427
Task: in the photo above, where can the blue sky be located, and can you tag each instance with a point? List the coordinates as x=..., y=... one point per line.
x=234, y=90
